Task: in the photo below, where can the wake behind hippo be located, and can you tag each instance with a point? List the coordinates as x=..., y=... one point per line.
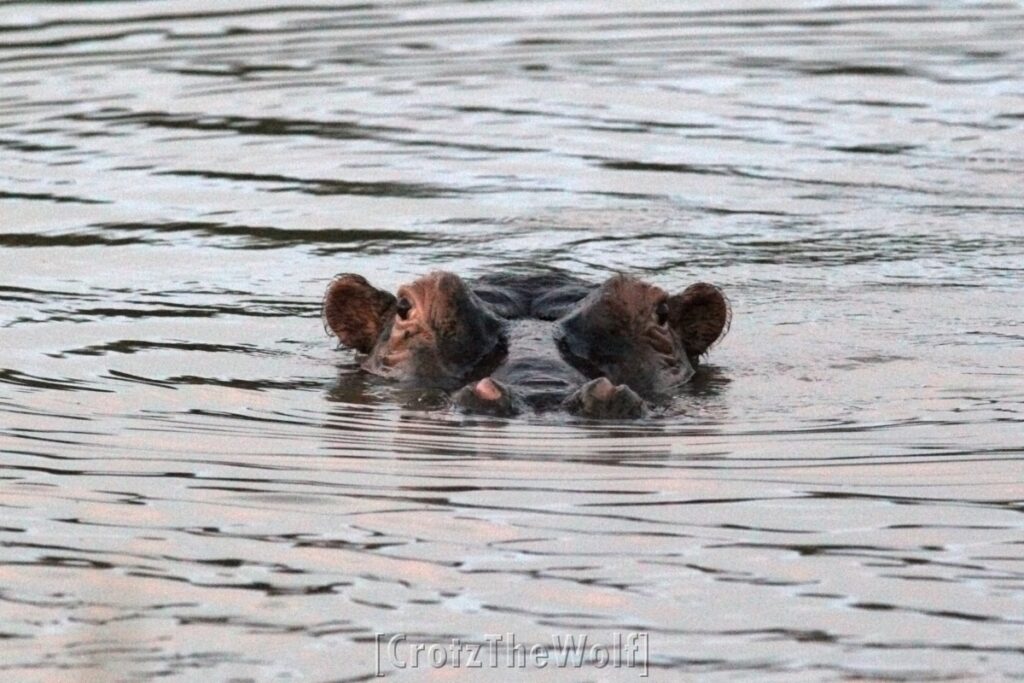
x=504, y=344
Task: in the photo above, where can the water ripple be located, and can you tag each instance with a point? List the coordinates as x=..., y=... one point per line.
x=197, y=483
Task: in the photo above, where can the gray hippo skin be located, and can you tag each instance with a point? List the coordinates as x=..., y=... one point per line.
x=508, y=343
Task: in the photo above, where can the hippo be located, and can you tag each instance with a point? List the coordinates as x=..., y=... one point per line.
x=504, y=344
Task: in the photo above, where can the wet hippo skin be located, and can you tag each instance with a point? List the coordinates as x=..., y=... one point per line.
x=505, y=344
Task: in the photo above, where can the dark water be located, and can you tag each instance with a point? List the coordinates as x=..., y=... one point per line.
x=197, y=486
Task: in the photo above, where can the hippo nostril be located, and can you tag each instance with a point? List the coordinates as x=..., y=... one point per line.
x=487, y=390
x=403, y=307
x=602, y=389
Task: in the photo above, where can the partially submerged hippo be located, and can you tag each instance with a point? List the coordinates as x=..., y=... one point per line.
x=508, y=343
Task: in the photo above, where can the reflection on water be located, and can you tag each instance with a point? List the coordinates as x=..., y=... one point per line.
x=196, y=485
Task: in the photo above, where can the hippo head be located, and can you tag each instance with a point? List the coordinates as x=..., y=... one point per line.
x=635, y=334
x=435, y=329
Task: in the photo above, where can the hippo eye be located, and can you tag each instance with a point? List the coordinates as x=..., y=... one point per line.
x=662, y=313
x=403, y=307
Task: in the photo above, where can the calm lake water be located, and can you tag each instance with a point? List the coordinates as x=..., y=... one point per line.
x=197, y=485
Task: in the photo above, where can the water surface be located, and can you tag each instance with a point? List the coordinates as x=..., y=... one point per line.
x=198, y=486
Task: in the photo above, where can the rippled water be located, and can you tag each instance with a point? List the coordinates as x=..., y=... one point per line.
x=197, y=486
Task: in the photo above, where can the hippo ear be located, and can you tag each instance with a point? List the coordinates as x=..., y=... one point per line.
x=355, y=311
x=700, y=315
